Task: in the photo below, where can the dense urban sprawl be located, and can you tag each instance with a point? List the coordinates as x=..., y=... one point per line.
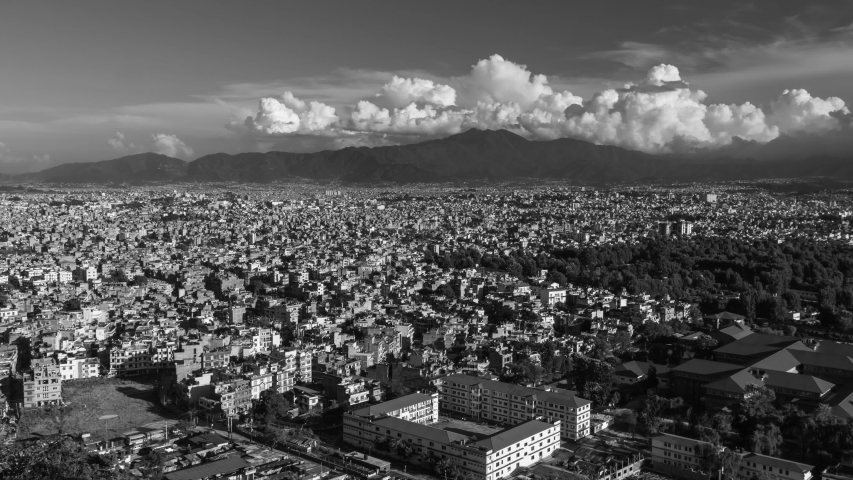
x=469, y=332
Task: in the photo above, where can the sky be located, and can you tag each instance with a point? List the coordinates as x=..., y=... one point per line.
x=94, y=80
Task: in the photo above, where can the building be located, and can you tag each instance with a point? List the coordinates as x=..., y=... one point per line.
x=74, y=368
x=42, y=383
x=681, y=457
x=416, y=407
x=689, y=379
x=551, y=296
x=513, y=404
x=754, y=464
x=489, y=458
x=130, y=360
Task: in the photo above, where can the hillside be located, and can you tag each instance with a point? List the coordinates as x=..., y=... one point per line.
x=472, y=155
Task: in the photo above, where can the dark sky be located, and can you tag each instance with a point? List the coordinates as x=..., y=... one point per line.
x=75, y=74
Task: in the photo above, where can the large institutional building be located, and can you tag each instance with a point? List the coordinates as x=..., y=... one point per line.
x=513, y=404
x=686, y=458
x=490, y=458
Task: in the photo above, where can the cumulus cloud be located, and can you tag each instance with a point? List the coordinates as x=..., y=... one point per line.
x=117, y=142
x=171, y=146
x=403, y=91
x=660, y=113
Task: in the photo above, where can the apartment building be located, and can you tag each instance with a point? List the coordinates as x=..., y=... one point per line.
x=130, y=360
x=42, y=383
x=551, y=296
x=754, y=464
x=513, y=404
x=489, y=458
x=74, y=368
x=265, y=339
x=263, y=377
x=234, y=397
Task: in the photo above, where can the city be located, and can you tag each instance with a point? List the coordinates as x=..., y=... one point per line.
x=445, y=240
x=320, y=330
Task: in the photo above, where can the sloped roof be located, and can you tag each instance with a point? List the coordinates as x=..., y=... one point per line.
x=734, y=383
x=778, y=463
x=827, y=360
x=796, y=381
x=503, y=439
x=768, y=339
x=781, y=361
x=841, y=401
x=392, y=405
x=746, y=349
x=731, y=333
x=706, y=367
x=726, y=316
x=417, y=429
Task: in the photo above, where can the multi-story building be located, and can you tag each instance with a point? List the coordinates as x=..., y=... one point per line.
x=489, y=458
x=513, y=404
x=550, y=296
x=681, y=457
x=757, y=465
x=74, y=368
x=42, y=383
x=417, y=407
x=263, y=377
x=8, y=360
x=130, y=360
x=220, y=357
x=265, y=339
x=234, y=397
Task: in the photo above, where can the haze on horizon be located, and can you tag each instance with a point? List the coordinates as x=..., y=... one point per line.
x=98, y=80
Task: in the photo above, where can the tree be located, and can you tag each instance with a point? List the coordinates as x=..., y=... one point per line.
x=766, y=440
x=654, y=330
x=140, y=280
x=527, y=372
x=118, y=276
x=621, y=341
x=629, y=419
x=653, y=410
x=270, y=406
x=757, y=409
x=447, y=469
x=72, y=304
x=593, y=378
x=704, y=346
x=56, y=457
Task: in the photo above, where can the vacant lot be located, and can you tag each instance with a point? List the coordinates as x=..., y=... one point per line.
x=87, y=401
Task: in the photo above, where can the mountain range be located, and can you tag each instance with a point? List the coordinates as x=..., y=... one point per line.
x=472, y=155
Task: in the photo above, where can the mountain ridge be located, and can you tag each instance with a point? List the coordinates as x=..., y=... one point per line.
x=470, y=155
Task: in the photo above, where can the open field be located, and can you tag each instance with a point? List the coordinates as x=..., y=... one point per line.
x=87, y=401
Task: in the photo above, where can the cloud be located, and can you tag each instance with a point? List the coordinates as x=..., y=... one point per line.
x=403, y=91
x=659, y=114
x=171, y=146
x=117, y=142
x=9, y=158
